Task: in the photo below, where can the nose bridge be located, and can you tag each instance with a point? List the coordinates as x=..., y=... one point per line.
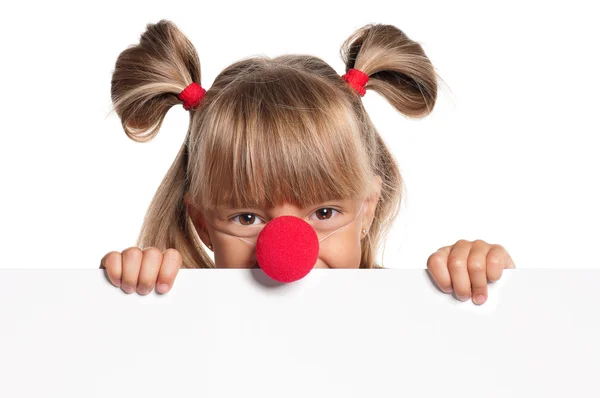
x=286, y=209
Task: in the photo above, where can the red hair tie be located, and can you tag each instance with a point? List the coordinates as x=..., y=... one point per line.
x=192, y=95
x=357, y=80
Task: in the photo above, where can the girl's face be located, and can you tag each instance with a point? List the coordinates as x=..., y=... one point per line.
x=341, y=249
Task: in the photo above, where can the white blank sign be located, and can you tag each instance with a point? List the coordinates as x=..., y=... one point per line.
x=335, y=333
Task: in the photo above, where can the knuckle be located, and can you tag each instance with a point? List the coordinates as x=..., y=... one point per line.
x=435, y=260
x=476, y=265
x=495, y=261
x=456, y=263
x=112, y=254
x=110, y=259
x=173, y=254
x=132, y=252
x=152, y=252
x=498, y=247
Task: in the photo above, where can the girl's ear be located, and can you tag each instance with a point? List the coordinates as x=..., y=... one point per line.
x=372, y=201
x=197, y=220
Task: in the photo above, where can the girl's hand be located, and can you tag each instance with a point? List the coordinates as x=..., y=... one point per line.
x=139, y=270
x=467, y=267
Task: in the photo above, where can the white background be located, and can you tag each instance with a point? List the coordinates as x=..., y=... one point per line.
x=509, y=155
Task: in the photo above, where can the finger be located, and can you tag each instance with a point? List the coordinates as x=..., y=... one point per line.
x=168, y=271
x=498, y=259
x=437, y=266
x=477, y=267
x=111, y=262
x=457, y=266
x=151, y=261
x=132, y=262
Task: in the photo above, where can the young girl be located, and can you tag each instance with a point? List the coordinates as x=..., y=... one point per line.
x=286, y=136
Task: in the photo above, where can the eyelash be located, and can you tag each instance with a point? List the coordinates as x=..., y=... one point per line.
x=243, y=214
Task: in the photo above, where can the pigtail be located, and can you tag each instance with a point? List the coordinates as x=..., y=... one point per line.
x=147, y=81
x=149, y=76
x=397, y=67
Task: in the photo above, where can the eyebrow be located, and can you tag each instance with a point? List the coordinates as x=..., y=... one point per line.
x=231, y=207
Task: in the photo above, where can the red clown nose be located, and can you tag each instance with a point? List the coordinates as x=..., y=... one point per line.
x=287, y=248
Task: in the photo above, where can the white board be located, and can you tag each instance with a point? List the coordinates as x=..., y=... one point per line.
x=336, y=333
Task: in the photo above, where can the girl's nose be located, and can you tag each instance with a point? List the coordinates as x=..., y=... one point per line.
x=287, y=248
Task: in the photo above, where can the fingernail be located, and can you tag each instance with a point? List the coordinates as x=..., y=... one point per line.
x=118, y=283
x=479, y=299
x=449, y=290
x=128, y=289
x=463, y=298
x=163, y=288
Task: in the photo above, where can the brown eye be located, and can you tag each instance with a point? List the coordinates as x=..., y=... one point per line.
x=324, y=213
x=246, y=219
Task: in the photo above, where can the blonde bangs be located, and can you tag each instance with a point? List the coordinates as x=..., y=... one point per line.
x=289, y=137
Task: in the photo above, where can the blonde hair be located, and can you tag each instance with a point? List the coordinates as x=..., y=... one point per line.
x=270, y=130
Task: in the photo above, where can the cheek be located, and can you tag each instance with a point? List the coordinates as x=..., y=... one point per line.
x=341, y=250
x=233, y=253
